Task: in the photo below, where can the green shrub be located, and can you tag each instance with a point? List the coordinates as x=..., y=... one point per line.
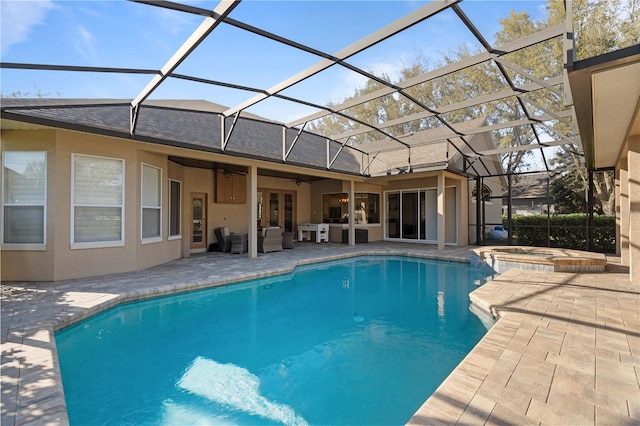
x=565, y=231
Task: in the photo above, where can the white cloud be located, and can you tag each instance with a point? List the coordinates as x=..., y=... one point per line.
x=84, y=42
x=346, y=85
x=176, y=23
x=17, y=18
x=390, y=70
x=349, y=81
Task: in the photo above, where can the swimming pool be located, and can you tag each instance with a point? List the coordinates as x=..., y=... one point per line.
x=357, y=341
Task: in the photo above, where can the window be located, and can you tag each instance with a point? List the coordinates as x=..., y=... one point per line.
x=336, y=208
x=24, y=175
x=151, y=203
x=175, y=203
x=97, y=197
x=486, y=194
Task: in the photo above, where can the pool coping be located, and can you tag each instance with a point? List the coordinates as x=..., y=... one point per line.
x=32, y=386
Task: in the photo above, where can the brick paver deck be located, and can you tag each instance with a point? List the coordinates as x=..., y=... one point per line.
x=565, y=350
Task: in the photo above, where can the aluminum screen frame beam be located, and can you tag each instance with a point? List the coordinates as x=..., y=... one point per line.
x=204, y=29
x=507, y=48
x=357, y=47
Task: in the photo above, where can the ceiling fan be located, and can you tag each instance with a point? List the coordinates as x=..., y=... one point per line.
x=299, y=181
x=227, y=172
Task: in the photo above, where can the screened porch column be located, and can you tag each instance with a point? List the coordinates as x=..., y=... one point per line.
x=441, y=212
x=622, y=213
x=352, y=202
x=252, y=191
x=633, y=163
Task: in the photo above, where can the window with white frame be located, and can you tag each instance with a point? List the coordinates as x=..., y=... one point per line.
x=151, y=203
x=175, y=210
x=24, y=174
x=97, y=192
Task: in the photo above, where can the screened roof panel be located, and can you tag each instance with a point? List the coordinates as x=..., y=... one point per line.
x=195, y=90
x=279, y=109
x=427, y=42
x=82, y=33
x=331, y=86
x=477, y=11
x=229, y=49
x=463, y=85
x=547, y=63
x=435, y=66
x=297, y=20
x=74, y=84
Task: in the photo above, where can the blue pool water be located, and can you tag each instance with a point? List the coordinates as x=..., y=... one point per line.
x=358, y=341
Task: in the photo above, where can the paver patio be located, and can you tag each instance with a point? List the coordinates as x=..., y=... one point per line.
x=566, y=349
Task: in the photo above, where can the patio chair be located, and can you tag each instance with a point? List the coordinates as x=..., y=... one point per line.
x=224, y=238
x=270, y=240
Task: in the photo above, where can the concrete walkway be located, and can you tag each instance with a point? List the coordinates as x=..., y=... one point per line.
x=564, y=342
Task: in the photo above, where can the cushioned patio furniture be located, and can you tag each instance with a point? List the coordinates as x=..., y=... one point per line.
x=224, y=238
x=287, y=240
x=270, y=240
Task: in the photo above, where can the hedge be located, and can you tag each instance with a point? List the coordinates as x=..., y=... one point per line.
x=567, y=231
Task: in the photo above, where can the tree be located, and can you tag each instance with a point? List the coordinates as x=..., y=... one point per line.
x=572, y=185
x=599, y=27
x=469, y=83
x=36, y=93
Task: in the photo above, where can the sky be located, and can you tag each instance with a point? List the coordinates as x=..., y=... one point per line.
x=132, y=35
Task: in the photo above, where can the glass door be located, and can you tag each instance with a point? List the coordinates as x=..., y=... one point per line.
x=198, y=222
x=276, y=208
x=393, y=215
x=288, y=212
x=410, y=215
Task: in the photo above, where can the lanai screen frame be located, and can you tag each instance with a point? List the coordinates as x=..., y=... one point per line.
x=458, y=141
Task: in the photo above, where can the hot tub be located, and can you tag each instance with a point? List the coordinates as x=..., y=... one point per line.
x=503, y=258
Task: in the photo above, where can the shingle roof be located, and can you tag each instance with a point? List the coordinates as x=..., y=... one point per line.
x=428, y=149
x=189, y=124
x=530, y=186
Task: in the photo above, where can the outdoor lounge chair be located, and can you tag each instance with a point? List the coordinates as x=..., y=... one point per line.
x=270, y=240
x=224, y=238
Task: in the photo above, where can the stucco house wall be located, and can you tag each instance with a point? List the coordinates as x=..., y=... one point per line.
x=57, y=260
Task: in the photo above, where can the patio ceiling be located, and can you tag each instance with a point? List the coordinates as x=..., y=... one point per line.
x=607, y=94
x=542, y=102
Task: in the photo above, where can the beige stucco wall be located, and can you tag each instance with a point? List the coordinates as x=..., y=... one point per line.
x=32, y=265
x=59, y=261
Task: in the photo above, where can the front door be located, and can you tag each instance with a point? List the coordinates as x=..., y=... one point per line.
x=198, y=222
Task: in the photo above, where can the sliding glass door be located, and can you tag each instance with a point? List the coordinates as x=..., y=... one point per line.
x=413, y=215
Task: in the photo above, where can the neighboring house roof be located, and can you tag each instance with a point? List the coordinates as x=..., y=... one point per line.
x=529, y=186
x=184, y=123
